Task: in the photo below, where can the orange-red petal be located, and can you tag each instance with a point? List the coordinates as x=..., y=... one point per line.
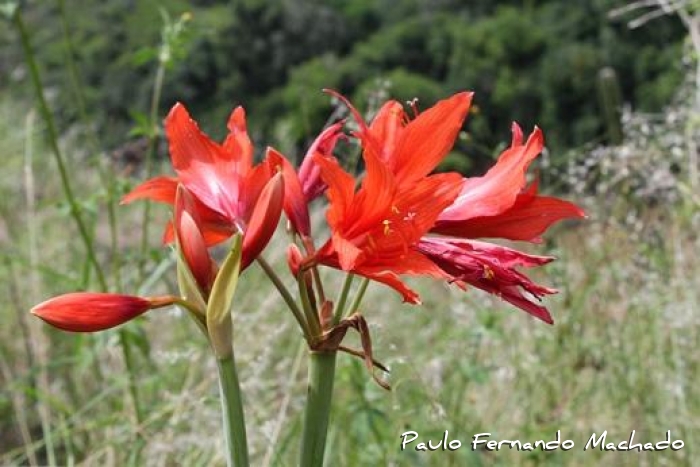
x=348, y=253
x=374, y=200
x=237, y=143
x=528, y=218
x=497, y=190
x=263, y=220
x=159, y=189
x=252, y=186
x=201, y=164
x=412, y=263
x=190, y=240
x=295, y=205
x=427, y=139
x=341, y=189
x=386, y=127
x=215, y=228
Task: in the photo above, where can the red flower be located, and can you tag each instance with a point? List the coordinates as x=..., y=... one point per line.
x=375, y=230
x=498, y=205
x=226, y=188
x=495, y=205
x=490, y=268
x=90, y=312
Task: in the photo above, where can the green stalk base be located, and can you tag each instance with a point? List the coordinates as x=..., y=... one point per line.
x=318, y=408
x=232, y=413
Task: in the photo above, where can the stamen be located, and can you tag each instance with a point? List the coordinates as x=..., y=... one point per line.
x=413, y=103
x=488, y=273
x=387, y=229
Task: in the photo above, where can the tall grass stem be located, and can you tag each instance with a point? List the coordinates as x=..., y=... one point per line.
x=75, y=210
x=107, y=177
x=53, y=141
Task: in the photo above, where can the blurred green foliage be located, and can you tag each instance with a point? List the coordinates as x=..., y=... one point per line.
x=531, y=61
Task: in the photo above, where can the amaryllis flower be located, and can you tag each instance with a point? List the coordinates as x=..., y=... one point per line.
x=90, y=312
x=499, y=205
x=491, y=268
x=376, y=228
x=225, y=186
x=495, y=205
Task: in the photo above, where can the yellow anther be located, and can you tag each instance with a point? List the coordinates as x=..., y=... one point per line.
x=386, y=223
x=488, y=273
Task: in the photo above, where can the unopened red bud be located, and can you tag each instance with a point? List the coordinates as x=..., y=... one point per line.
x=294, y=259
x=90, y=312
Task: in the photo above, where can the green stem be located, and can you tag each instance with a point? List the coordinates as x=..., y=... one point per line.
x=232, y=413
x=359, y=296
x=319, y=284
x=309, y=311
x=53, y=141
x=72, y=68
x=318, y=408
x=342, y=300
x=286, y=295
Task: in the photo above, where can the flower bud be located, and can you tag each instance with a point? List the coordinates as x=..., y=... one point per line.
x=90, y=312
x=294, y=259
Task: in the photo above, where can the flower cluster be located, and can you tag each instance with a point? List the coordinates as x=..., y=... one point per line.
x=397, y=219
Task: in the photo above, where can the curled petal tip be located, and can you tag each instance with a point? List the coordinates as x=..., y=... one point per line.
x=237, y=120
x=466, y=95
x=536, y=137
x=177, y=110
x=517, y=135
